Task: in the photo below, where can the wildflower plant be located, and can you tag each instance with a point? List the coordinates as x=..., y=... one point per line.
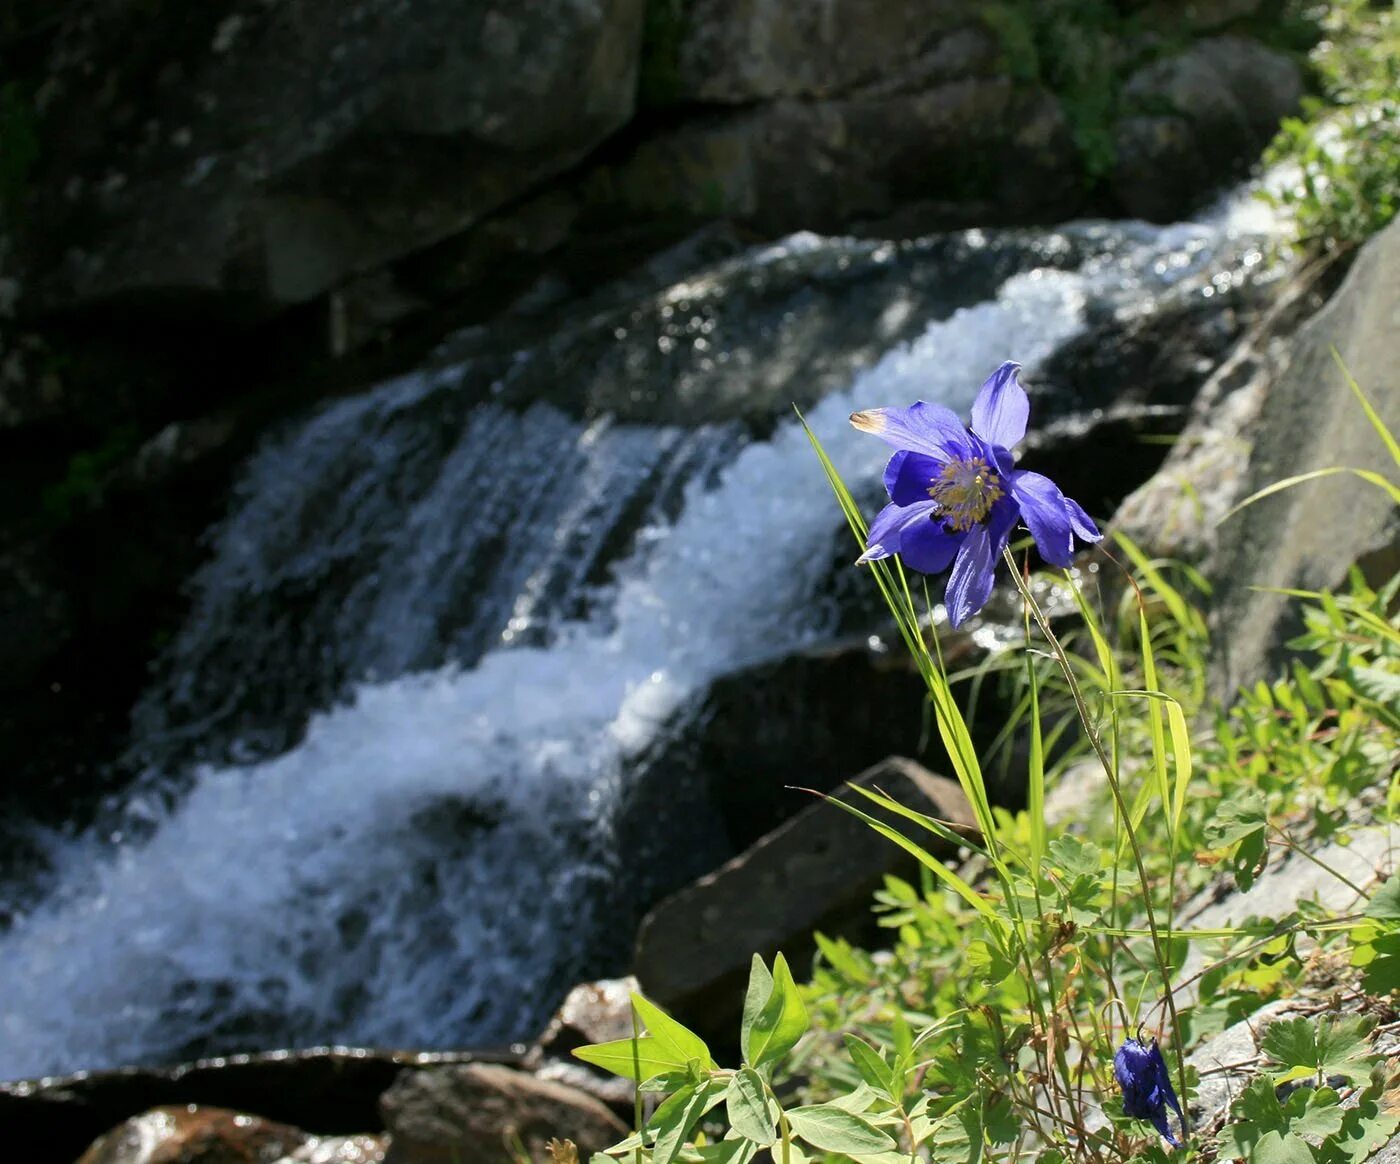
x=1035, y=1000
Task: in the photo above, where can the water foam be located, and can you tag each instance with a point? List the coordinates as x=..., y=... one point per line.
x=424, y=866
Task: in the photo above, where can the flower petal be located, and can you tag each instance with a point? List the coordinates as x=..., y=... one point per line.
x=1001, y=409
x=887, y=530
x=1082, y=524
x=970, y=585
x=925, y=428
x=908, y=476
x=928, y=546
x=1046, y=513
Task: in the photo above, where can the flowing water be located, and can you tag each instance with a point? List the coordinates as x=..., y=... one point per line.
x=439, y=636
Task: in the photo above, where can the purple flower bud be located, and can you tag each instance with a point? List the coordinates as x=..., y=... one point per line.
x=1147, y=1090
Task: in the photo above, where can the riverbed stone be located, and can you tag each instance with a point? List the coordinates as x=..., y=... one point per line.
x=488, y=1114
x=212, y=1135
x=816, y=871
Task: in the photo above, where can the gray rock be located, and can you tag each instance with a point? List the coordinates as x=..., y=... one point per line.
x=814, y=872
x=485, y=1114
x=740, y=51
x=212, y=1135
x=1309, y=536
x=1197, y=120
x=269, y=151
x=974, y=150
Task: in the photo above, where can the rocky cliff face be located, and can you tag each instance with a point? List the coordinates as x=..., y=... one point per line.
x=245, y=156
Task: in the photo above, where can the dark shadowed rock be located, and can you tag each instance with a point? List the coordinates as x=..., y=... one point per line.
x=816, y=871
x=328, y=1091
x=488, y=1114
x=237, y=148
x=211, y=1135
x=1201, y=118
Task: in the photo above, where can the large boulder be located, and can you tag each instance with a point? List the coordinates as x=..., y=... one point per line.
x=1308, y=537
x=816, y=871
x=268, y=151
x=1198, y=120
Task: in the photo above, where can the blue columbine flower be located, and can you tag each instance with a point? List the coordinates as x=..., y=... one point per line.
x=1142, y=1074
x=955, y=493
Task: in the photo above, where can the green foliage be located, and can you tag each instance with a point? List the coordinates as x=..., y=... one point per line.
x=19, y=150
x=1346, y=145
x=1075, y=48
x=88, y=474
x=1310, y=1125
x=663, y=31
x=1301, y=1048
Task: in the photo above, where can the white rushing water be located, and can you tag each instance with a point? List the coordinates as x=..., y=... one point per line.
x=422, y=866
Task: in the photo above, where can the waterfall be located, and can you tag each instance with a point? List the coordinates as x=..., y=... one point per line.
x=477, y=620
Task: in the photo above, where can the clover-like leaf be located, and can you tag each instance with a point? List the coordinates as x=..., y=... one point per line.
x=1339, y=1046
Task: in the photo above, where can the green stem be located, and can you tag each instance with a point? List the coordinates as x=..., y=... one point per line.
x=1078, y=696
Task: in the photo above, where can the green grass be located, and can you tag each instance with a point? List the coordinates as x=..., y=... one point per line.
x=986, y=1030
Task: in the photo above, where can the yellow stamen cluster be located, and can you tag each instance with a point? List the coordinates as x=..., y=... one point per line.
x=965, y=492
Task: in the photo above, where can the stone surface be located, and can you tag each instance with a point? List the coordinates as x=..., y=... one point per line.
x=740, y=51
x=823, y=165
x=487, y=1114
x=211, y=1135
x=327, y=1090
x=592, y=1012
x=814, y=872
x=1307, y=537
x=1201, y=118
x=268, y=151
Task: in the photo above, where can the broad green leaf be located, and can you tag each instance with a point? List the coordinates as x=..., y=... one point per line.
x=1382, y=973
x=674, y=1119
x=739, y=1151
x=833, y=1130
x=1265, y=1129
x=1369, y=1124
x=861, y=1100
x=760, y=989
x=1385, y=901
x=782, y=1021
x=636, y=1059
x=870, y=1063
x=1245, y=812
x=671, y=1037
x=1331, y=1047
x=751, y=1110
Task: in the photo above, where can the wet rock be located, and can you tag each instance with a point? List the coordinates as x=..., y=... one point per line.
x=327, y=1090
x=487, y=1114
x=593, y=1012
x=244, y=150
x=211, y=1135
x=816, y=871
x=1202, y=117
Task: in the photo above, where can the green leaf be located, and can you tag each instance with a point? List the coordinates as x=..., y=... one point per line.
x=1385, y=901
x=1245, y=812
x=674, y=1119
x=871, y=1065
x=782, y=1021
x=672, y=1037
x=1334, y=1047
x=1369, y=1124
x=636, y=1059
x=726, y=1152
x=989, y=966
x=1382, y=973
x=760, y=989
x=751, y=1111
x=831, y=1129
